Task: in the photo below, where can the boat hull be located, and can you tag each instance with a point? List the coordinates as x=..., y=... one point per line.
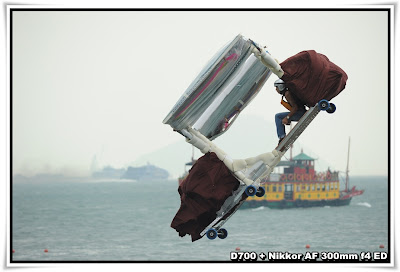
x=287, y=204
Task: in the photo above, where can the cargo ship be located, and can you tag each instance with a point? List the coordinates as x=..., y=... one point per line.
x=299, y=185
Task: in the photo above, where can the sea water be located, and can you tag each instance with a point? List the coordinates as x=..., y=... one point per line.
x=130, y=221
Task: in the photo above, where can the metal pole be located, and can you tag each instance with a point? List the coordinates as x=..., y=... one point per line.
x=347, y=167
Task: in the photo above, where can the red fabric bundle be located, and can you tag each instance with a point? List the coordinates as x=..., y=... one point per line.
x=203, y=193
x=311, y=76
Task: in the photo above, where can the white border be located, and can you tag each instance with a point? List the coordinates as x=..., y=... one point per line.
x=7, y=136
x=206, y=4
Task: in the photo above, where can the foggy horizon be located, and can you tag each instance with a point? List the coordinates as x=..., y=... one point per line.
x=88, y=83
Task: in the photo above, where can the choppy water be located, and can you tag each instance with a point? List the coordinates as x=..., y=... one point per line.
x=130, y=221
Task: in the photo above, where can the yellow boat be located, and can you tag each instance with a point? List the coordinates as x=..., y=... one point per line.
x=299, y=185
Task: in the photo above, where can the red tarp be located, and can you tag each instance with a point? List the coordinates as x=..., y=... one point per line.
x=312, y=77
x=203, y=192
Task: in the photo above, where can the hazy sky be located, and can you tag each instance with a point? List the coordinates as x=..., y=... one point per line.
x=91, y=83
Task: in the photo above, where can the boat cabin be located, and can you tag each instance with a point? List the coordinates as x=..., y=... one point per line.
x=298, y=180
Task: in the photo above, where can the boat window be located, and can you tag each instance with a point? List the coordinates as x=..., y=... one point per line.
x=331, y=186
x=336, y=185
x=323, y=187
x=298, y=188
x=308, y=187
x=274, y=188
x=313, y=187
x=318, y=187
x=327, y=187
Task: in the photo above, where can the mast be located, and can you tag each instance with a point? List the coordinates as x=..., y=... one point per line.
x=347, y=167
x=291, y=146
x=192, y=154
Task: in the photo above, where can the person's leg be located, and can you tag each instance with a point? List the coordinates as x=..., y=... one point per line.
x=297, y=115
x=280, y=128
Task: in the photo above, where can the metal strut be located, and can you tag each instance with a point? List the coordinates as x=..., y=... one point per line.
x=233, y=203
x=230, y=202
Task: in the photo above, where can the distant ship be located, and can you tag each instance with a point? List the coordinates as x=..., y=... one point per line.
x=147, y=172
x=301, y=186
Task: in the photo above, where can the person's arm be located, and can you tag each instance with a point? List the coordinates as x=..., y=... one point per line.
x=294, y=109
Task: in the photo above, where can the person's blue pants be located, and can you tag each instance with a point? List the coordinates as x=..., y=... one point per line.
x=280, y=128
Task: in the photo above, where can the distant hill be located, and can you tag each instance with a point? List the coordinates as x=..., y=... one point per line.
x=147, y=173
x=249, y=136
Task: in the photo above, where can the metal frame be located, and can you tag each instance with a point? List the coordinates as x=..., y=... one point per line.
x=236, y=199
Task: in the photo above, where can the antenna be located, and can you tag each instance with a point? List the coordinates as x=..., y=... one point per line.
x=291, y=146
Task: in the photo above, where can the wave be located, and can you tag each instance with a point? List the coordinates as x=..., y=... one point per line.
x=365, y=204
x=258, y=209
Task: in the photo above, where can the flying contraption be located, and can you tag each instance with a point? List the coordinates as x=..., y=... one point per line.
x=217, y=184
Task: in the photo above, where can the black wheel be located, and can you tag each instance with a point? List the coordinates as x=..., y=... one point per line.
x=332, y=108
x=222, y=233
x=251, y=190
x=211, y=234
x=323, y=104
x=260, y=191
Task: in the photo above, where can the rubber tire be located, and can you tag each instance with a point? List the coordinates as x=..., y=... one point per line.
x=211, y=234
x=331, y=109
x=222, y=233
x=260, y=192
x=323, y=104
x=251, y=190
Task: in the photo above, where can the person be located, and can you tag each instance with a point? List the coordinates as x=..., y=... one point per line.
x=294, y=104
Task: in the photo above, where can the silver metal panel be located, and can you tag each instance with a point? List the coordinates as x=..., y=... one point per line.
x=221, y=91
